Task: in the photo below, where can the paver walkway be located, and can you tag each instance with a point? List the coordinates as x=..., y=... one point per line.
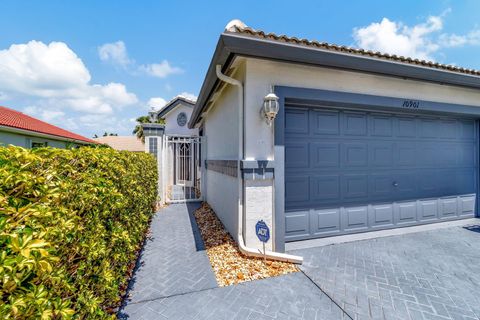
x=175, y=281
x=426, y=275
x=171, y=262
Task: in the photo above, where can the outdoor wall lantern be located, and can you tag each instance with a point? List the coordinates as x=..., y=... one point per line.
x=270, y=107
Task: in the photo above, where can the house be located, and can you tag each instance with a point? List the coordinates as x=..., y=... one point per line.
x=22, y=130
x=319, y=140
x=177, y=148
x=126, y=143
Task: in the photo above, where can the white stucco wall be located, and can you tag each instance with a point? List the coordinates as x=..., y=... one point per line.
x=221, y=143
x=261, y=74
x=171, y=125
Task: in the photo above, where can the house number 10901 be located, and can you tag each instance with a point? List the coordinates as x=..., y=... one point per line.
x=411, y=104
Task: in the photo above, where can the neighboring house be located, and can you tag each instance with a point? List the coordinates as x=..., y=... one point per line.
x=177, y=149
x=22, y=130
x=126, y=143
x=361, y=141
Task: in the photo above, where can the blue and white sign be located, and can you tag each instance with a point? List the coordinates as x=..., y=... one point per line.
x=262, y=231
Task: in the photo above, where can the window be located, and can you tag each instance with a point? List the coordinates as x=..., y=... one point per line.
x=36, y=144
x=153, y=146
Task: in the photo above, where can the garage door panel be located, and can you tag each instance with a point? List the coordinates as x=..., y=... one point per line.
x=405, y=183
x=324, y=222
x=381, y=215
x=381, y=154
x=351, y=171
x=449, y=129
x=405, y=154
x=467, y=130
x=355, y=219
x=381, y=126
x=297, y=224
x=406, y=127
x=465, y=181
x=354, y=123
x=354, y=154
x=448, y=208
x=297, y=189
x=466, y=206
x=428, y=128
x=325, y=154
x=354, y=186
x=296, y=121
x=325, y=187
x=381, y=186
x=296, y=154
x=466, y=154
x=325, y=122
x=428, y=209
x=406, y=213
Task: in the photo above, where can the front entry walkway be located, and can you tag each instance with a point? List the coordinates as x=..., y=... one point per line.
x=175, y=281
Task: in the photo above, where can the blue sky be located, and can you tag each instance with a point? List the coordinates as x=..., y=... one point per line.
x=94, y=66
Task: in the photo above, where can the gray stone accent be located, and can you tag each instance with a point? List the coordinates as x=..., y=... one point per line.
x=257, y=169
x=426, y=275
x=227, y=167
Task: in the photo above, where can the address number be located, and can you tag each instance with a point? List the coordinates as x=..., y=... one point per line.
x=411, y=104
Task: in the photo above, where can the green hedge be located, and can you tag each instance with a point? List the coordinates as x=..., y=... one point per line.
x=71, y=225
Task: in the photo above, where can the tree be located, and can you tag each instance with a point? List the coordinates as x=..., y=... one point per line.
x=138, y=131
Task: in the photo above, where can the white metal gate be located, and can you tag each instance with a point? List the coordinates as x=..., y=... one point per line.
x=181, y=168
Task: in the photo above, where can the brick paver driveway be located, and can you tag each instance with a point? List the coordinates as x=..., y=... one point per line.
x=426, y=275
x=175, y=281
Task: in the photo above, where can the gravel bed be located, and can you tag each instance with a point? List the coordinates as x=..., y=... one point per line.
x=229, y=264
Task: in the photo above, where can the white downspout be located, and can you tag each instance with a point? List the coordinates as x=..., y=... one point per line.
x=241, y=241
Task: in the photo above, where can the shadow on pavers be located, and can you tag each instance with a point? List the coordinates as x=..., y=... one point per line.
x=191, y=207
x=473, y=228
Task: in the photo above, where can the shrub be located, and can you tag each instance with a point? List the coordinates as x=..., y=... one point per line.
x=71, y=224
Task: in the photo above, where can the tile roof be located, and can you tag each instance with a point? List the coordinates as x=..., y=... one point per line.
x=127, y=143
x=237, y=26
x=15, y=119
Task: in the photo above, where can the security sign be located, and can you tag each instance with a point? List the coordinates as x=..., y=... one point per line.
x=262, y=231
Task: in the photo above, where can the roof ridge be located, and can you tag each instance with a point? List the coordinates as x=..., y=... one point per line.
x=236, y=26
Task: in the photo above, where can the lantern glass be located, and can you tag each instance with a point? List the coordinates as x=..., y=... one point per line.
x=270, y=107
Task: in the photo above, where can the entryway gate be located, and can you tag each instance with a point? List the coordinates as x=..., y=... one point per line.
x=181, y=169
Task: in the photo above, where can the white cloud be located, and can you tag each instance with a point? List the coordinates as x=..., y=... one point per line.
x=115, y=52
x=156, y=103
x=396, y=38
x=454, y=40
x=55, y=76
x=421, y=41
x=160, y=70
x=188, y=95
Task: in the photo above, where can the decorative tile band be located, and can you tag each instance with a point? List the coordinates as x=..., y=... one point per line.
x=227, y=167
x=251, y=169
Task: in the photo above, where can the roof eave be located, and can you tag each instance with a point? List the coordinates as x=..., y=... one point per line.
x=231, y=44
x=43, y=135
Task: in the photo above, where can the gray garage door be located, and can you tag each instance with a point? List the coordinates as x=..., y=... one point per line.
x=350, y=171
